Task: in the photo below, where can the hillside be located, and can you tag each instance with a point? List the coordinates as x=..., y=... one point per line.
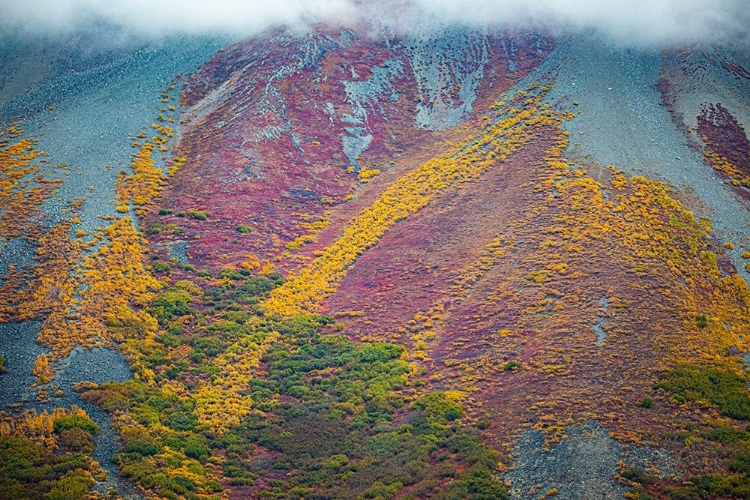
x=440, y=262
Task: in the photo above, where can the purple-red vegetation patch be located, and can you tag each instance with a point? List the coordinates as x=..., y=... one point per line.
x=264, y=129
x=724, y=135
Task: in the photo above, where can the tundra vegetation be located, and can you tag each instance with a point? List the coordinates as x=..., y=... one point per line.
x=48, y=455
x=242, y=386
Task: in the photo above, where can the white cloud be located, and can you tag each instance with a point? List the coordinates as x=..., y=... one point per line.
x=633, y=22
x=164, y=17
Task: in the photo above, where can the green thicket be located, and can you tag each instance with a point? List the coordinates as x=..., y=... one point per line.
x=720, y=386
x=725, y=388
x=734, y=446
x=30, y=471
x=330, y=418
x=339, y=435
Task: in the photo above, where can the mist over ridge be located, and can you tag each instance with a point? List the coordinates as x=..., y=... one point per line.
x=636, y=23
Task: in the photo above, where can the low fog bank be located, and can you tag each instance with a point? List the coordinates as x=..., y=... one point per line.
x=636, y=23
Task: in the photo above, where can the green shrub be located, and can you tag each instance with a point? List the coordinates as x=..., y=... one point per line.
x=720, y=386
x=477, y=483
x=214, y=486
x=712, y=486
x=729, y=435
x=173, y=302
x=437, y=406
x=161, y=267
x=137, y=441
x=198, y=214
x=186, y=483
x=638, y=475
x=72, y=486
x=76, y=441
x=197, y=447
x=76, y=422
x=30, y=471
x=512, y=365
x=701, y=320
x=231, y=274
x=181, y=421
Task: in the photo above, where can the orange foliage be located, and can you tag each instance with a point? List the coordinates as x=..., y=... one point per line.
x=42, y=369
x=722, y=164
x=113, y=286
x=36, y=427
x=143, y=185
x=220, y=404
x=146, y=180
x=23, y=188
x=304, y=290
x=38, y=289
x=623, y=253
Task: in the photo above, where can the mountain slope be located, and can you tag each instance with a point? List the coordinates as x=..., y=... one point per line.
x=446, y=263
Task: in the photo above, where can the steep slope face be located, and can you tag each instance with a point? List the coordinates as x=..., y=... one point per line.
x=74, y=106
x=628, y=99
x=443, y=264
x=553, y=292
x=706, y=93
x=281, y=130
